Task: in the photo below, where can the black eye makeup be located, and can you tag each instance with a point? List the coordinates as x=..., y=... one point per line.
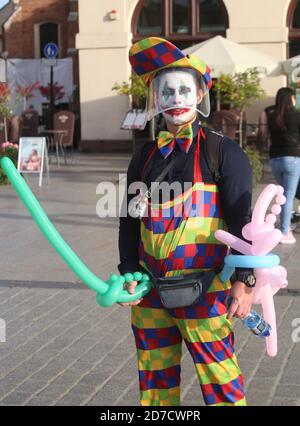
x=183, y=90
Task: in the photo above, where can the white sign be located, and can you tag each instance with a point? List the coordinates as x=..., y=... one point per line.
x=31, y=156
x=49, y=62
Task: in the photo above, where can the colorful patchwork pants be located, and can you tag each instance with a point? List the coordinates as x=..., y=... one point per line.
x=209, y=338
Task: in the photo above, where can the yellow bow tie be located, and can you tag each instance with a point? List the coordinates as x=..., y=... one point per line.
x=166, y=140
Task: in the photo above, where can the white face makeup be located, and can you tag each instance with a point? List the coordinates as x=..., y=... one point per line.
x=178, y=96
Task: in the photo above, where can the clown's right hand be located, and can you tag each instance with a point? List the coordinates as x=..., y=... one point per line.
x=130, y=287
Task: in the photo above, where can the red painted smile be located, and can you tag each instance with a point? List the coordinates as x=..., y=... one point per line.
x=177, y=111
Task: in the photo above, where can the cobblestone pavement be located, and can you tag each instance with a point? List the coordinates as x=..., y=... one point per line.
x=63, y=349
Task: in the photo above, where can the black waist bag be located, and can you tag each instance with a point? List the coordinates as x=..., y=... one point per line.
x=183, y=290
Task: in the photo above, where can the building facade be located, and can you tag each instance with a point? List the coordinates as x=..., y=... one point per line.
x=33, y=23
x=108, y=27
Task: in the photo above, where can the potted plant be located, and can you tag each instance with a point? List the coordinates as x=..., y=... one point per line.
x=137, y=92
x=58, y=92
x=49, y=108
x=255, y=163
x=240, y=90
x=26, y=92
x=9, y=150
x=5, y=111
x=135, y=89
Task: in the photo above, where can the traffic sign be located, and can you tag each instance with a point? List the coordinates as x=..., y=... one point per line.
x=51, y=50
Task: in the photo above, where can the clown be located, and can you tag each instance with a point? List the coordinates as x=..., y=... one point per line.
x=177, y=95
x=166, y=245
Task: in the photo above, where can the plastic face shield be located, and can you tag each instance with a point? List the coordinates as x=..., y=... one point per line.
x=178, y=93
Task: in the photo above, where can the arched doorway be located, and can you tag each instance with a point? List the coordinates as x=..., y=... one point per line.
x=293, y=23
x=183, y=22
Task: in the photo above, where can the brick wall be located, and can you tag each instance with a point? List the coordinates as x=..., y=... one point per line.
x=19, y=39
x=19, y=32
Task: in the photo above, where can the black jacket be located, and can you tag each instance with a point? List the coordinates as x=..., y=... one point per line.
x=285, y=142
x=235, y=189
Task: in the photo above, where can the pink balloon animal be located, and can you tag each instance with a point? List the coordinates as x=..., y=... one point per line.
x=264, y=237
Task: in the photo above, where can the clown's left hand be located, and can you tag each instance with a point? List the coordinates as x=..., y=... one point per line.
x=241, y=300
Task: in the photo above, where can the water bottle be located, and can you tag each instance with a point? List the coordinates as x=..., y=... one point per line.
x=255, y=323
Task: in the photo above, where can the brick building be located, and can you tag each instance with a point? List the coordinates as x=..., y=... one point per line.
x=34, y=23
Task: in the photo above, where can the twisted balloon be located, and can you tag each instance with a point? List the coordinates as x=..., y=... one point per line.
x=270, y=276
x=108, y=292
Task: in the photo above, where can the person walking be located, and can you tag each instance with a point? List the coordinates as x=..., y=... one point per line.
x=284, y=128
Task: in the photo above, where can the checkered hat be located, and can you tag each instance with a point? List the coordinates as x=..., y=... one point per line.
x=150, y=55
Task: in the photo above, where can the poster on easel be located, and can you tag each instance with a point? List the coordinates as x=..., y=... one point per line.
x=32, y=155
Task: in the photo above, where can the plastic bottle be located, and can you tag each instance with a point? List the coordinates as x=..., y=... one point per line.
x=255, y=323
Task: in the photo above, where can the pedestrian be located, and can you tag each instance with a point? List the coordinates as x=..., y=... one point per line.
x=297, y=195
x=284, y=127
x=175, y=248
x=263, y=133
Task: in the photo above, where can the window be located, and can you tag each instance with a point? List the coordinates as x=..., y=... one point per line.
x=48, y=34
x=180, y=16
x=211, y=16
x=45, y=33
x=294, y=28
x=184, y=22
x=296, y=17
x=150, y=19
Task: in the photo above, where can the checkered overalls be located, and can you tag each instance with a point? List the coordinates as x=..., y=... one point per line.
x=180, y=245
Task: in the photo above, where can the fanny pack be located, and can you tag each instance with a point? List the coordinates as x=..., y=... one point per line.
x=183, y=290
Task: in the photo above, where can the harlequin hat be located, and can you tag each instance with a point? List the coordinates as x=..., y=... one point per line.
x=152, y=54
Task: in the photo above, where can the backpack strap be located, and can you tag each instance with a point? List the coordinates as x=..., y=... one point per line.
x=148, y=160
x=213, y=152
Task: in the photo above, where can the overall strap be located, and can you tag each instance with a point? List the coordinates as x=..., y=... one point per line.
x=149, y=158
x=197, y=167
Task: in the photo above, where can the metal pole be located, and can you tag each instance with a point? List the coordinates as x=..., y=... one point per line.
x=51, y=97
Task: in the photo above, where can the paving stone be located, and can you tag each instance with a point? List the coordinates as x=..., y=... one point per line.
x=40, y=402
x=280, y=401
x=71, y=400
x=288, y=391
x=60, y=340
x=257, y=398
x=15, y=398
x=290, y=377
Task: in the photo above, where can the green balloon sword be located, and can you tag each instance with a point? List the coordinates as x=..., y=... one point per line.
x=108, y=292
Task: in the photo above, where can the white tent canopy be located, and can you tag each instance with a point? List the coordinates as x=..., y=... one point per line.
x=225, y=56
x=287, y=67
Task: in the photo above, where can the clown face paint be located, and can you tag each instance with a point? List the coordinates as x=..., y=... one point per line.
x=178, y=96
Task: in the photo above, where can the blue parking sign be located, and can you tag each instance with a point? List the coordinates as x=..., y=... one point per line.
x=51, y=50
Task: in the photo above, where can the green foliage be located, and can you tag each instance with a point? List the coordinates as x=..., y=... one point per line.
x=11, y=151
x=255, y=163
x=135, y=88
x=241, y=89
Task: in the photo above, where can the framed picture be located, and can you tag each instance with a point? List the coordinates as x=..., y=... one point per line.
x=31, y=156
